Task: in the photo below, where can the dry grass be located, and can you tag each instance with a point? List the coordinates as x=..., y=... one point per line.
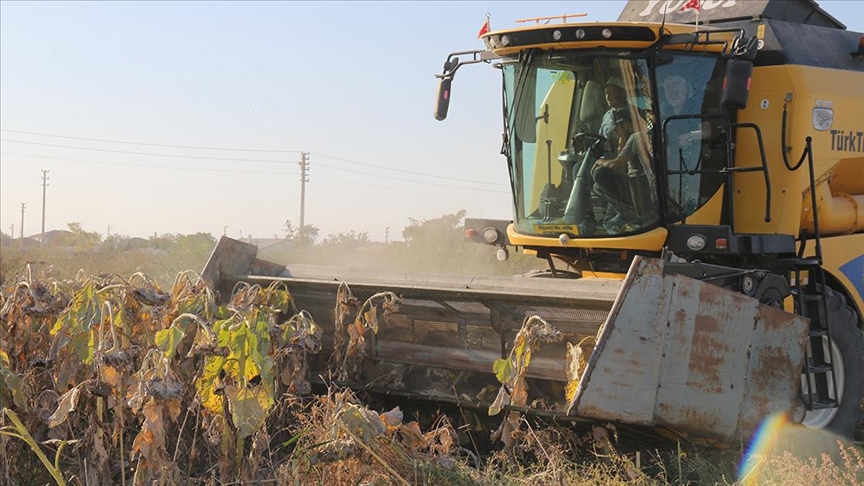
x=134, y=413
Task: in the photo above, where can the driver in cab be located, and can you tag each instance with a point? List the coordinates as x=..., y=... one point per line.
x=616, y=99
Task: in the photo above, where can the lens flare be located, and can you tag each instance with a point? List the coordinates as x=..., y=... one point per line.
x=763, y=443
x=778, y=438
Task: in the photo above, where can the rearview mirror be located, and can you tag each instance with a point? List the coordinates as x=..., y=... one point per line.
x=450, y=64
x=442, y=100
x=736, y=84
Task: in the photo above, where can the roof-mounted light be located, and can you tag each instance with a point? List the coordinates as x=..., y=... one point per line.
x=571, y=33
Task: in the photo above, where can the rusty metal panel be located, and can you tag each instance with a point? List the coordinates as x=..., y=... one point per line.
x=623, y=384
x=705, y=370
x=682, y=353
x=778, y=355
x=229, y=257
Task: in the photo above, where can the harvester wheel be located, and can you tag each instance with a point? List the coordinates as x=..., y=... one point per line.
x=847, y=345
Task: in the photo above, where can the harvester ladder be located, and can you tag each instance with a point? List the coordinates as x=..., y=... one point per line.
x=811, y=299
x=809, y=291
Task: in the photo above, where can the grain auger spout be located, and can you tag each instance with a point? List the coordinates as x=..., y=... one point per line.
x=670, y=351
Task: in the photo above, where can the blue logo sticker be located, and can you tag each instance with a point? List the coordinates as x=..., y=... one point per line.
x=854, y=271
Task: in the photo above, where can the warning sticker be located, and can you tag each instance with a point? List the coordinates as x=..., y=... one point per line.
x=555, y=229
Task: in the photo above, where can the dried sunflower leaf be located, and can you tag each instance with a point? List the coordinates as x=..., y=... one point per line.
x=66, y=405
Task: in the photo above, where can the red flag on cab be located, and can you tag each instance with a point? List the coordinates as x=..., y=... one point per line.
x=483, y=29
x=691, y=4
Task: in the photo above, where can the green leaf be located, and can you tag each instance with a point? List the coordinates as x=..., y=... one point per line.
x=192, y=305
x=206, y=384
x=14, y=385
x=84, y=346
x=249, y=409
x=503, y=369
x=169, y=339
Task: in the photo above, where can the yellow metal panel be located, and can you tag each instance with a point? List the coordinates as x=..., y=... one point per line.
x=650, y=241
x=848, y=176
x=808, y=87
x=559, y=99
x=709, y=213
x=765, y=108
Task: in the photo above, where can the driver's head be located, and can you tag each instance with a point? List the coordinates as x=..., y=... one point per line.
x=616, y=95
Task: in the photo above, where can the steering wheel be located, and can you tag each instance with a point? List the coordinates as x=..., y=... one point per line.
x=585, y=141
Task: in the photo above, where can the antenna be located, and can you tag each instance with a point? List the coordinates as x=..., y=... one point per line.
x=563, y=18
x=663, y=22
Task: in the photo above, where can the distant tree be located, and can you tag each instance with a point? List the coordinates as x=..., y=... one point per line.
x=197, y=243
x=302, y=235
x=346, y=238
x=423, y=232
x=162, y=242
x=83, y=239
x=438, y=245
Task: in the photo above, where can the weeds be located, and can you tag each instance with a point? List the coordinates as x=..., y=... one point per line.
x=106, y=381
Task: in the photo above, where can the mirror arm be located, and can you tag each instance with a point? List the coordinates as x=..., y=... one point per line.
x=477, y=57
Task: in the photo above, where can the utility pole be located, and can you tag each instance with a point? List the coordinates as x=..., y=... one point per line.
x=304, y=167
x=23, y=205
x=387, y=235
x=44, y=185
x=21, y=239
x=108, y=232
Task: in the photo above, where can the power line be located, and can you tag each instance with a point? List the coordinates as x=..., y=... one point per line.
x=349, y=161
x=147, y=166
x=354, y=182
x=405, y=189
x=331, y=157
x=147, y=144
x=145, y=153
x=420, y=182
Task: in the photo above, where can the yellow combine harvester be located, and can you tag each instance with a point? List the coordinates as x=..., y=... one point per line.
x=698, y=192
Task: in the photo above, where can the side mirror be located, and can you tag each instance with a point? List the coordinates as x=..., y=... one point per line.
x=442, y=100
x=450, y=64
x=736, y=84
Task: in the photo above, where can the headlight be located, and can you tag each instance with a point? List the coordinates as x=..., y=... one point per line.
x=490, y=234
x=696, y=242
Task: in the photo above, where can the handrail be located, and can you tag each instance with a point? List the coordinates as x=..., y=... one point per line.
x=730, y=169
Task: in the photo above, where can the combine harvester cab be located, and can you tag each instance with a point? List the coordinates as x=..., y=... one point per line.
x=655, y=349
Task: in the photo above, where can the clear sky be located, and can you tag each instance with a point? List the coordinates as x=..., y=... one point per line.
x=350, y=82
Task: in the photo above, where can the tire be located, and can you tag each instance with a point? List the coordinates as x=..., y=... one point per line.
x=848, y=348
